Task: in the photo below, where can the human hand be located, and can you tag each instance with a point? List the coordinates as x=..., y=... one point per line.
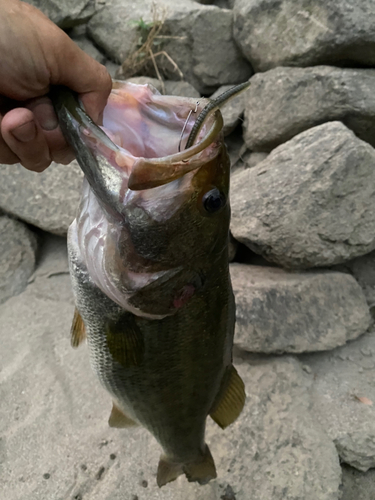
x=34, y=54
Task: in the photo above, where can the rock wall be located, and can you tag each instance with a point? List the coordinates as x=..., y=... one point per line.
x=301, y=142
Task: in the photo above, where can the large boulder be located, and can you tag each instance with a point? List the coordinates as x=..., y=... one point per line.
x=66, y=13
x=54, y=410
x=344, y=399
x=305, y=33
x=310, y=202
x=283, y=102
x=48, y=200
x=18, y=246
x=278, y=311
x=200, y=43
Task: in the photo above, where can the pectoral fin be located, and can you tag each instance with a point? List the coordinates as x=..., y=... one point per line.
x=230, y=401
x=118, y=419
x=125, y=342
x=78, y=330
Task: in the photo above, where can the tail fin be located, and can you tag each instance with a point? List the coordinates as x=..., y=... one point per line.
x=201, y=470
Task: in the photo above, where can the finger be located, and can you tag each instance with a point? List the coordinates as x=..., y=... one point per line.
x=92, y=82
x=6, y=155
x=25, y=138
x=44, y=114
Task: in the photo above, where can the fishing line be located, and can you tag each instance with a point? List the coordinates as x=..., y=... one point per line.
x=185, y=124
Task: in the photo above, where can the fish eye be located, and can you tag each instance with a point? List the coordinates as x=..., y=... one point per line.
x=214, y=200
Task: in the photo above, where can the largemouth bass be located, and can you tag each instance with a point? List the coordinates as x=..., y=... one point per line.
x=148, y=255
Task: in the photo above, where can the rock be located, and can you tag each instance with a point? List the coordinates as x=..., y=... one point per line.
x=344, y=399
x=48, y=200
x=339, y=32
x=200, y=43
x=67, y=13
x=276, y=448
x=17, y=257
x=306, y=97
x=180, y=88
x=51, y=280
x=235, y=148
x=310, y=202
x=232, y=248
x=363, y=269
x=357, y=485
x=277, y=311
x=55, y=411
x=233, y=110
x=247, y=159
x=87, y=46
x=112, y=68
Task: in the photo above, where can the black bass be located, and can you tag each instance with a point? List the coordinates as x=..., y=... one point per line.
x=148, y=257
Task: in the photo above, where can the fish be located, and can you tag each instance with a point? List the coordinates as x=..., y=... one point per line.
x=148, y=258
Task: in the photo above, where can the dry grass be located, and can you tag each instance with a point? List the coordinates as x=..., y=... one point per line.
x=143, y=60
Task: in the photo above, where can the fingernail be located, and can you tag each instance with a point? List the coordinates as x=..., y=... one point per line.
x=25, y=132
x=45, y=115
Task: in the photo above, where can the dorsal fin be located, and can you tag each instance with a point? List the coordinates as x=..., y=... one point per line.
x=230, y=400
x=78, y=330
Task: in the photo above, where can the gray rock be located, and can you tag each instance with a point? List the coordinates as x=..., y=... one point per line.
x=51, y=280
x=283, y=102
x=305, y=33
x=112, y=68
x=277, y=311
x=235, y=147
x=66, y=13
x=357, y=485
x=363, y=269
x=344, y=399
x=276, y=448
x=247, y=159
x=232, y=248
x=181, y=88
x=87, y=46
x=54, y=410
x=17, y=257
x=233, y=110
x=48, y=200
x=310, y=202
x=200, y=43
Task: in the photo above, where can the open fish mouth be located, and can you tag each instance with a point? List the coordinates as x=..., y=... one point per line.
x=144, y=134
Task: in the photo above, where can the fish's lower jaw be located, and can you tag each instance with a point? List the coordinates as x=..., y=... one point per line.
x=201, y=470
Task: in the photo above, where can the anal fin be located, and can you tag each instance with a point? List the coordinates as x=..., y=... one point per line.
x=78, y=330
x=119, y=419
x=167, y=471
x=230, y=400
